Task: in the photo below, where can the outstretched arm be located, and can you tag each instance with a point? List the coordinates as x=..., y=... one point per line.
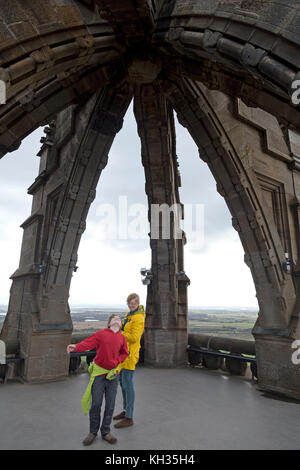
x=85, y=345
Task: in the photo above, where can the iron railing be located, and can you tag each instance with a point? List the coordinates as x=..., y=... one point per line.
x=211, y=352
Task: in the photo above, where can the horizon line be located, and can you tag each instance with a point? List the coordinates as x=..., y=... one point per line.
x=121, y=306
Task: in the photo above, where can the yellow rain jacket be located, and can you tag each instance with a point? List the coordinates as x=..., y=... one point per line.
x=133, y=328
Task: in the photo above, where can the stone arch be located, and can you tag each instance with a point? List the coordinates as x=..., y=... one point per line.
x=77, y=53
x=51, y=56
x=219, y=134
x=73, y=156
x=244, y=48
x=64, y=50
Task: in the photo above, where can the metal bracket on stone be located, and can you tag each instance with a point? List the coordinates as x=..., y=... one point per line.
x=49, y=139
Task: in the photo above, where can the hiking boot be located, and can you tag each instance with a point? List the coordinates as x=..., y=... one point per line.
x=89, y=439
x=124, y=423
x=109, y=438
x=120, y=415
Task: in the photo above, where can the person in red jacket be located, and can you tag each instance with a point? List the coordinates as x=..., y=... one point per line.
x=111, y=350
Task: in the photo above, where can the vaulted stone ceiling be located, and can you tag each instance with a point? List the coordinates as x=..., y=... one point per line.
x=228, y=68
x=56, y=52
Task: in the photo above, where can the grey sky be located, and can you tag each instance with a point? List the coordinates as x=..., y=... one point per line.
x=221, y=255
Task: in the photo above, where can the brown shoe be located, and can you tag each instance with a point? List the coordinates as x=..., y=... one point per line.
x=124, y=423
x=109, y=438
x=89, y=439
x=120, y=415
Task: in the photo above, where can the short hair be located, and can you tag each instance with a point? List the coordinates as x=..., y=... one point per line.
x=109, y=320
x=131, y=297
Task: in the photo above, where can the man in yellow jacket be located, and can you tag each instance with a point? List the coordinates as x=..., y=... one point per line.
x=132, y=328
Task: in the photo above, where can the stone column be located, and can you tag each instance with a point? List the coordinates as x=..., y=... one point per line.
x=167, y=316
x=73, y=156
x=255, y=173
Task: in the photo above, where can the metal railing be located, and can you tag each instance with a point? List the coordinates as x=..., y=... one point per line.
x=216, y=352
x=211, y=352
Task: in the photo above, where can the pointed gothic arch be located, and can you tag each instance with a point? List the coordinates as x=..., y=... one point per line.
x=76, y=66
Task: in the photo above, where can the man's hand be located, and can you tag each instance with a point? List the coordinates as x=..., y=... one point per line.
x=71, y=348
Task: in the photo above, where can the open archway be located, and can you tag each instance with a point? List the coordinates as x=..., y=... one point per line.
x=77, y=68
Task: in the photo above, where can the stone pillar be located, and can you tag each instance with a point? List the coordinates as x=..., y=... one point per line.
x=256, y=173
x=167, y=316
x=73, y=156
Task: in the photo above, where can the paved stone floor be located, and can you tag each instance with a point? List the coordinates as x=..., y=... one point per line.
x=188, y=409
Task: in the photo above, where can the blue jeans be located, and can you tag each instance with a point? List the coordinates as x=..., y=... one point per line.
x=102, y=386
x=127, y=386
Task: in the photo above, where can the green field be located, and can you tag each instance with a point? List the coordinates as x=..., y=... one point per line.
x=237, y=324
x=223, y=323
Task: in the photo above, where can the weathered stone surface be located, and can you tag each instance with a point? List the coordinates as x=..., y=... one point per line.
x=163, y=322
x=228, y=69
x=52, y=235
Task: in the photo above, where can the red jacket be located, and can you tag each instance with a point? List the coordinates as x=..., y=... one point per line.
x=111, y=348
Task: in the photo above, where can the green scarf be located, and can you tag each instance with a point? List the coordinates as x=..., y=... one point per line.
x=95, y=370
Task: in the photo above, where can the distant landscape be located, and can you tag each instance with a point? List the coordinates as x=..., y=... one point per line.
x=227, y=322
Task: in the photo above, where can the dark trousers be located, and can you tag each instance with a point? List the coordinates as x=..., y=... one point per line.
x=108, y=388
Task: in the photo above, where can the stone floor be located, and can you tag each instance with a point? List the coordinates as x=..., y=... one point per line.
x=188, y=409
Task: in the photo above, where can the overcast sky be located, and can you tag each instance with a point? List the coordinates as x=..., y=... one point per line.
x=110, y=269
